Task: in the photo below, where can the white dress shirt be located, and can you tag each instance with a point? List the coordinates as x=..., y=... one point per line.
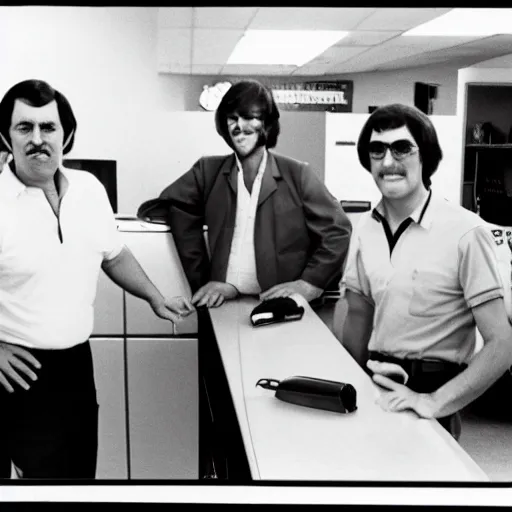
x=241, y=271
x=48, y=287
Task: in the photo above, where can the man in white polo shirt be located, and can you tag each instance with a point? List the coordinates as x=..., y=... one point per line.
x=421, y=273
x=57, y=230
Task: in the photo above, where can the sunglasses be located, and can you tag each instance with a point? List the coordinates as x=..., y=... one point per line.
x=400, y=149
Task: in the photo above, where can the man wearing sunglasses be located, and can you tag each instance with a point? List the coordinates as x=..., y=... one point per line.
x=421, y=273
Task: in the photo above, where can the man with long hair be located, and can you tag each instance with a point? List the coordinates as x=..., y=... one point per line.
x=273, y=227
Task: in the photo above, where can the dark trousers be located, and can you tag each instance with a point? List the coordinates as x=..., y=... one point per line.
x=51, y=430
x=426, y=377
x=428, y=383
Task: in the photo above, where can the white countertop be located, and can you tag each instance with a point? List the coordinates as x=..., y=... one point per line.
x=284, y=441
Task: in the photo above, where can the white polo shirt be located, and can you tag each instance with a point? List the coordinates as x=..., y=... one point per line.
x=241, y=270
x=48, y=287
x=445, y=262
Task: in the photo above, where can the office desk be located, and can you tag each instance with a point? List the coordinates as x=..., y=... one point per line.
x=283, y=441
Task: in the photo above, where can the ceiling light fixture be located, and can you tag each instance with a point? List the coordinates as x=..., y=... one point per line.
x=283, y=47
x=466, y=22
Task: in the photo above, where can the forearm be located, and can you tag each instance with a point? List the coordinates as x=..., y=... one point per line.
x=339, y=317
x=355, y=337
x=485, y=368
x=127, y=273
x=357, y=327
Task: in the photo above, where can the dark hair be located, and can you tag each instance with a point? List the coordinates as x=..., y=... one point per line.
x=242, y=97
x=37, y=93
x=397, y=115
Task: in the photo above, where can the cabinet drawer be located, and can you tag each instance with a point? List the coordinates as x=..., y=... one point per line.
x=163, y=408
x=108, y=360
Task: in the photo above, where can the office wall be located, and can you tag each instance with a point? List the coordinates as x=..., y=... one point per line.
x=104, y=60
x=505, y=61
x=181, y=92
x=303, y=137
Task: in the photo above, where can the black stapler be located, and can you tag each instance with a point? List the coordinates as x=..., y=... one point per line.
x=280, y=309
x=312, y=392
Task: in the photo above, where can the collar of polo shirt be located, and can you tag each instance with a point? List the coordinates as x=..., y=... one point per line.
x=420, y=215
x=12, y=186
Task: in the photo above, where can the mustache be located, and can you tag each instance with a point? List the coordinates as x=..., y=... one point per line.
x=388, y=172
x=238, y=131
x=37, y=149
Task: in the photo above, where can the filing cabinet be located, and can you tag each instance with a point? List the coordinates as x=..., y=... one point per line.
x=146, y=371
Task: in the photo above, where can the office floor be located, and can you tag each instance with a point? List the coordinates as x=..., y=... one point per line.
x=487, y=431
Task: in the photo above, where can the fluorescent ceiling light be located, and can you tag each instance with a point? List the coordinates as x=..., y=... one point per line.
x=466, y=22
x=285, y=47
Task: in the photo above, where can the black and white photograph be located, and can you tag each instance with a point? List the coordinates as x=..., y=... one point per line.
x=256, y=255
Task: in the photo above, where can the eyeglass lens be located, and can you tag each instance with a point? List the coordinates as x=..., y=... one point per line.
x=399, y=148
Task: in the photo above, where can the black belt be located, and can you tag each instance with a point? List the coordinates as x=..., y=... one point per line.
x=415, y=367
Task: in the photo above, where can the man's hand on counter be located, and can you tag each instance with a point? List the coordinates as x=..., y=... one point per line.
x=173, y=309
x=307, y=290
x=213, y=294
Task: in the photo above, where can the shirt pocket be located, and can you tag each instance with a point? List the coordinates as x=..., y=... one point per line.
x=434, y=293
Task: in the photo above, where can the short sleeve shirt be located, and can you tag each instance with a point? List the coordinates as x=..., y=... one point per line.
x=446, y=262
x=49, y=266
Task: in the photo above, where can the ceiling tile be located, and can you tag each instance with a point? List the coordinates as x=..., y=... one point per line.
x=206, y=69
x=223, y=17
x=502, y=41
x=257, y=70
x=367, y=37
x=309, y=18
x=500, y=61
x=399, y=18
x=312, y=70
x=427, y=43
x=339, y=54
x=174, y=17
x=174, y=46
x=374, y=45
x=214, y=46
x=427, y=59
x=458, y=51
x=376, y=56
x=177, y=69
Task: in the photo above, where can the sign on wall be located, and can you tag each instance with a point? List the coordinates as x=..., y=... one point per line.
x=331, y=96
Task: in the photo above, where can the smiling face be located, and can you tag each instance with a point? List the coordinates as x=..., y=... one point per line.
x=397, y=178
x=246, y=132
x=37, y=139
